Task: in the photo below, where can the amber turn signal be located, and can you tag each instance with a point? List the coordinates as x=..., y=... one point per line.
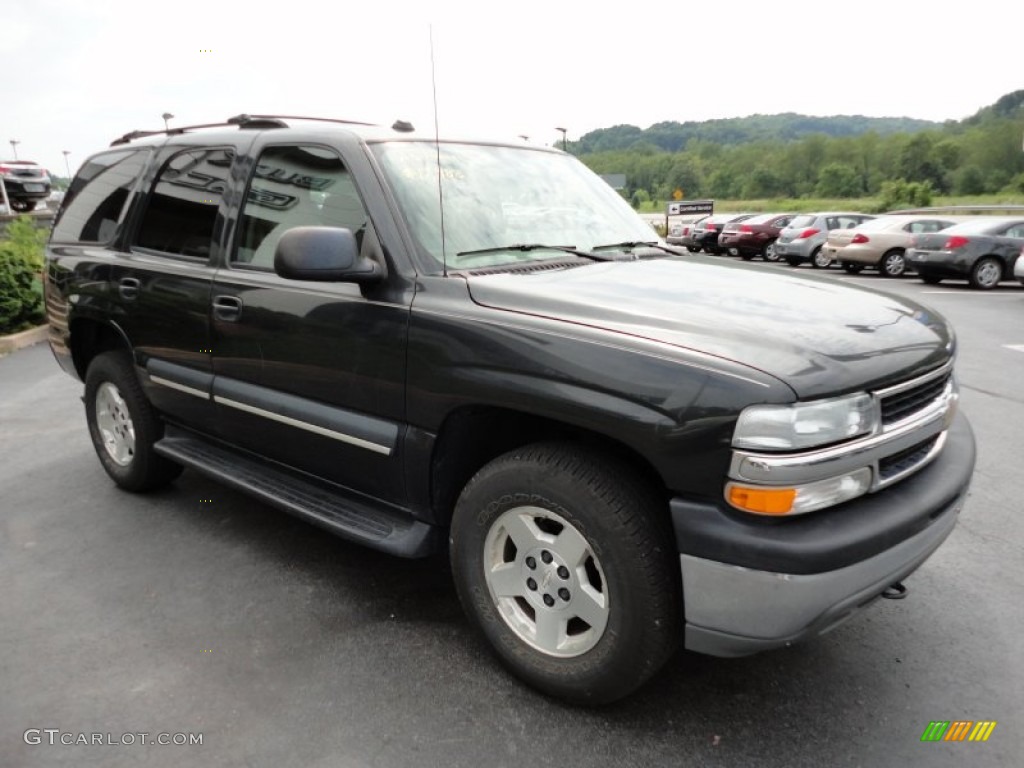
x=763, y=501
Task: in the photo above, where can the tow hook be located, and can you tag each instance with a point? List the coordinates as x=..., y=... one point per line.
x=895, y=591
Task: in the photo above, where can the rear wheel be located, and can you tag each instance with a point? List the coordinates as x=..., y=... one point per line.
x=893, y=263
x=986, y=273
x=123, y=425
x=563, y=559
x=853, y=267
x=820, y=259
x=22, y=206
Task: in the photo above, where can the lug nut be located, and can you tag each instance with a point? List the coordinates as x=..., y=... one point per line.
x=545, y=556
x=549, y=600
x=563, y=572
x=564, y=594
x=531, y=584
x=531, y=563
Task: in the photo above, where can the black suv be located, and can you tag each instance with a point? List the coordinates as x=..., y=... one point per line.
x=477, y=348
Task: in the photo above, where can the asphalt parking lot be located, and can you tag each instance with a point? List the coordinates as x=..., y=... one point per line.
x=197, y=611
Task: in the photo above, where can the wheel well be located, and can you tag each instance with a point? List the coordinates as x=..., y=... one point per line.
x=90, y=338
x=474, y=435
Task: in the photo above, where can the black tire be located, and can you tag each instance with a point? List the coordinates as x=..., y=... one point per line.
x=768, y=252
x=624, y=554
x=893, y=263
x=986, y=273
x=693, y=249
x=22, y=206
x=746, y=255
x=852, y=267
x=793, y=261
x=818, y=261
x=123, y=425
x=931, y=279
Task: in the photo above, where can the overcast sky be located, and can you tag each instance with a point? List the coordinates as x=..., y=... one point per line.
x=78, y=73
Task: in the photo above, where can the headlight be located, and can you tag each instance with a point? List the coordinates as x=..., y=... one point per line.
x=805, y=425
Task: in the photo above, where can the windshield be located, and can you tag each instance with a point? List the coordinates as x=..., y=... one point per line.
x=497, y=197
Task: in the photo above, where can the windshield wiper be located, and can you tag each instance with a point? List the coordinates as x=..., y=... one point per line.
x=537, y=247
x=630, y=244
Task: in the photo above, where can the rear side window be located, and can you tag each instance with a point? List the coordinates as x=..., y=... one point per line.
x=183, y=206
x=802, y=221
x=98, y=197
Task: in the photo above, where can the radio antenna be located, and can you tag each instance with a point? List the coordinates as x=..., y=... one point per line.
x=437, y=149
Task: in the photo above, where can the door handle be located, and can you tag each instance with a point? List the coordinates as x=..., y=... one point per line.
x=228, y=308
x=128, y=287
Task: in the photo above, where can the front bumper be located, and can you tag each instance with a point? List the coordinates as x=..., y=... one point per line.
x=751, y=584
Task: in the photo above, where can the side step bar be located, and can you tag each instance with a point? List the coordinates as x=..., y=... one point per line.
x=344, y=515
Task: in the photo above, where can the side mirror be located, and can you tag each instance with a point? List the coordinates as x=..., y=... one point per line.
x=326, y=254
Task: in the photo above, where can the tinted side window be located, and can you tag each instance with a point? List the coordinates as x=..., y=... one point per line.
x=183, y=205
x=98, y=197
x=295, y=186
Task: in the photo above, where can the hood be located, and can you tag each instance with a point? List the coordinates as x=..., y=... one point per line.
x=819, y=336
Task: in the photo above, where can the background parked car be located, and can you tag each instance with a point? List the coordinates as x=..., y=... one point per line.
x=27, y=183
x=1018, y=268
x=708, y=230
x=754, y=236
x=681, y=233
x=803, y=239
x=984, y=251
x=882, y=243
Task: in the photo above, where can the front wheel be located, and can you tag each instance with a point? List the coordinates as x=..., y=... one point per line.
x=986, y=273
x=563, y=559
x=768, y=252
x=123, y=425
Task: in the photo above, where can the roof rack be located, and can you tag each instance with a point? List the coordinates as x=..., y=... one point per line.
x=242, y=121
x=249, y=121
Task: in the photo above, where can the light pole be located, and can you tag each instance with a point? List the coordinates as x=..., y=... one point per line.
x=563, y=130
x=167, y=116
x=14, y=147
x=66, y=164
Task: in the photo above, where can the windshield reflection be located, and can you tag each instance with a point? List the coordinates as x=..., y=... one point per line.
x=495, y=197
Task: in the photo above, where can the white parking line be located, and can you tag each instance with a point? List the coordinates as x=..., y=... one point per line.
x=1015, y=347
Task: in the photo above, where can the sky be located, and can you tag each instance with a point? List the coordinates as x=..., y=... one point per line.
x=76, y=74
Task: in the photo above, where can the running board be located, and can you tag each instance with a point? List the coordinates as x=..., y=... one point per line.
x=344, y=515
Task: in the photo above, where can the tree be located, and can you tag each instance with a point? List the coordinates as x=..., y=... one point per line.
x=838, y=180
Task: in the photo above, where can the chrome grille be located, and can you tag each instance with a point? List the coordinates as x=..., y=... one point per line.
x=904, y=402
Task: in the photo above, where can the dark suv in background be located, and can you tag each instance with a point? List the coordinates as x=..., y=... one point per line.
x=26, y=182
